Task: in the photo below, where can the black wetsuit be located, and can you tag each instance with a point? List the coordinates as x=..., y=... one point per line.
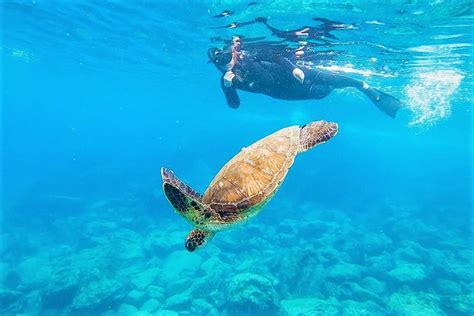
x=270, y=73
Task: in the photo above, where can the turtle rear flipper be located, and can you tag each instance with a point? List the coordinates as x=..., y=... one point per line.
x=197, y=238
x=316, y=133
x=184, y=199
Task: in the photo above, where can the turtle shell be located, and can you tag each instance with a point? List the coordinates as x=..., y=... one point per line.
x=254, y=174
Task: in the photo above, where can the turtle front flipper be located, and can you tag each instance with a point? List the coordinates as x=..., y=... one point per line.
x=197, y=238
x=316, y=133
x=184, y=199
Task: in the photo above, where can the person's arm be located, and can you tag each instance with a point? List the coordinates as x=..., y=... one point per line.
x=230, y=94
x=290, y=67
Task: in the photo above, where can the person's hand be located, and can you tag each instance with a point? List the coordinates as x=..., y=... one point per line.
x=228, y=77
x=298, y=74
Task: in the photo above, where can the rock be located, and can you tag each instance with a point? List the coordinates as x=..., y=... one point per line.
x=366, y=308
x=179, y=265
x=409, y=228
x=215, y=270
x=178, y=285
x=411, y=252
x=310, y=307
x=408, y=272
x=331, y=289
x=375, y=243
x=141, y=280
x=11, y=302
x=142, y=313
x=463, y=304
x=448, y=287
x=123, y=244
x=414, y=304
x=344, y=271
x=136, y=297
x=287, y=240
x=179, y=301
x=202, y=307
x=160, y=241
x=97, y=294
x=150, y=306
x=288, y=226
x=328, y=255
x=165, y=312
x=373, y=285
x=33, y=303
x=314, y=228
x=380, y=264
x=353, y=291
x=455, y=269
x=252, y=293
x=217, y=298
x=61, y=290
x=155, y=292
x=127, y=309
x=34, y=272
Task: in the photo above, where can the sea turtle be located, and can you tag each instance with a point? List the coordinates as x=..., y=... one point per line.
x=245, y=184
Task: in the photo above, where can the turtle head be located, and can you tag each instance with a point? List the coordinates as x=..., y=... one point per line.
x=316, y=133
x=220, y=58
x=197, y=238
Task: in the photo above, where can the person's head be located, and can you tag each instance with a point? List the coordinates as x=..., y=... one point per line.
x=220, y=58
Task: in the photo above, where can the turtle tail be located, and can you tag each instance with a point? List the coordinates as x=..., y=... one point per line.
x=316, y=133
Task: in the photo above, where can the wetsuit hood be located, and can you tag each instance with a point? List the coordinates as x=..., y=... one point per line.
x=220, y=58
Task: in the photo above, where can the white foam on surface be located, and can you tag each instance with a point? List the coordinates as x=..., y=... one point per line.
x=429, y=95
x=348, y=68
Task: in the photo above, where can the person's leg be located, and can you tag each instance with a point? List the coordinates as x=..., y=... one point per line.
x=384, y=102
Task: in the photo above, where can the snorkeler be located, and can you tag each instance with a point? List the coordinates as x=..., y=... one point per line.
x=240, y=63
x=262, y=69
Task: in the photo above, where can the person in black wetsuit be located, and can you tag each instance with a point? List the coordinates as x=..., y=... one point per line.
x=261, y=69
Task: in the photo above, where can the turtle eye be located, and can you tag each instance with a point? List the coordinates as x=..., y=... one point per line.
x=190, y=246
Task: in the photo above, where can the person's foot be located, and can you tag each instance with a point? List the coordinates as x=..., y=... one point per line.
x=228, y=77
x=298, y=74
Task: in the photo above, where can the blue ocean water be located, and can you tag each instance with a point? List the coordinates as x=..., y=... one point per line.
x=97, y=96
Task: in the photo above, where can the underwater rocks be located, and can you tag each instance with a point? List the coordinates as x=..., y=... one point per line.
x=463, y=304
x=449, y=287
x=11, y=301
x=364, y=308
x=142, y=279
x=408, y=272
x=150, y=305
x=202, y=307
x=136, y=297
x=310, y=307
x=344, y=271
x=324, y=263
x=373, y=285
x=375, y=243
x=180, y=264
x=61, y=287
x=98, y=293
x=126, y=309
x=414, y=304
x=250, y=293
x=159, y=241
